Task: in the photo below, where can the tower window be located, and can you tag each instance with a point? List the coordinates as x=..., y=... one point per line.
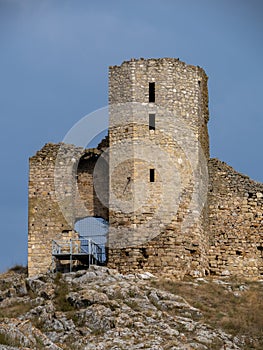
x=151, y=121
x=152, y=175
x=151, y=92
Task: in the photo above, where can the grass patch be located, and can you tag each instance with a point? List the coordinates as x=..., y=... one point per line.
x=97, y=331
x=3, y=339
x=61, y=292
x=38, y=323
x=70, y=342
x=40, y=345
x=15, y=310
x=237, y=315
x=76, y=318
x=7, y=340
x=133, y=305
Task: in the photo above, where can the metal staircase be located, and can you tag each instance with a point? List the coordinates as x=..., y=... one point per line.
x=83, y=250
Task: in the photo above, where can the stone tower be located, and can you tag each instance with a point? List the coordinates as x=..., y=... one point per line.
x=171, y=209
x=159, y=151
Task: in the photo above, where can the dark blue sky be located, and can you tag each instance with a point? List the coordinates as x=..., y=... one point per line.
x=54, y=58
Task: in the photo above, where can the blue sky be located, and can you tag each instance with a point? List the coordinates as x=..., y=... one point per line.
x=54, y=58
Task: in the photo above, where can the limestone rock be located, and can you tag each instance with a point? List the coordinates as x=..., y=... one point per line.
x=103, y=309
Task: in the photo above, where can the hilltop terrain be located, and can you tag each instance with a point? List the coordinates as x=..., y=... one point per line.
x=103, y=309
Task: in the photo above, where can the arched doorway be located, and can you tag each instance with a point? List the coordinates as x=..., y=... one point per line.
x=95, y=230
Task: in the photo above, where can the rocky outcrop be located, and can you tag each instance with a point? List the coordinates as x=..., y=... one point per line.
x=103, y=309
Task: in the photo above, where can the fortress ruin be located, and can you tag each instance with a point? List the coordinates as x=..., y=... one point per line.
x=170, y=208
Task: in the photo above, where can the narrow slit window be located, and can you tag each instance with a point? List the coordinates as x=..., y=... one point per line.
x=151, y=121
x=151, y=92
x=152, y=175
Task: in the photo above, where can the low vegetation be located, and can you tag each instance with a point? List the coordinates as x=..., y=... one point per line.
x=131, y=304
x=15, y=309
x=234, y=306
x=61, y=292
x=19, y=269
x=7, y=340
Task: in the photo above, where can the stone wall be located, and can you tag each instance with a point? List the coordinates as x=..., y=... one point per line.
x=235, y=222
x=58, y=182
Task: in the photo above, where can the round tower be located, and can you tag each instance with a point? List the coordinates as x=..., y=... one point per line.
x=158, y=155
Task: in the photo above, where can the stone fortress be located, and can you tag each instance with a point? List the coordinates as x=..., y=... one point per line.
x=170, y=208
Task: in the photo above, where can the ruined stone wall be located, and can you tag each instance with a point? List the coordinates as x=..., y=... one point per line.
x=198, y=216
x=147, y=219
x=235, y=221
x=45, y=220
x=57, y=187
x=85, y=182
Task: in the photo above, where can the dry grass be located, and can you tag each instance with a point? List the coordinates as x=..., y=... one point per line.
x=3, y=339
x=7, y=340
x=225, y=306
x=133, y=305
x=14, y=310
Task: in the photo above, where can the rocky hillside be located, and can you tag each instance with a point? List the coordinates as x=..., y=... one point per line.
x=102, y=309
